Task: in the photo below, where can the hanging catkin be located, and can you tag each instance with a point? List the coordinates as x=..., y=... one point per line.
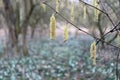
x=96, y=12
x=72, y=12
x=52, y=27
x=57, y=5
x=93, y=52
x=66, y=32
x=118, y=39
x=85, y=12
x=93, y=2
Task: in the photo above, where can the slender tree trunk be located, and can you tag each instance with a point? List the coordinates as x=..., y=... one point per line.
x=30, y=7
x=24, y=29
x=24, y=45
x=11, y=22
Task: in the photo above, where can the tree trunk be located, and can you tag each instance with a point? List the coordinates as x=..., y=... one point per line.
x=11, y=22
x=25, y=24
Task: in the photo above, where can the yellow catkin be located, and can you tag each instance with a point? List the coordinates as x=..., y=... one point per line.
x=43, y=6
x=94, y=56
x=66, y=32
x=57, y=5
x=93, y=2
x=93, y=52
x=85, y=12
x=118, y=39
x=72, y=12
x=52, y=27
x=94, y=61
x=92, y=49
x=96, y=12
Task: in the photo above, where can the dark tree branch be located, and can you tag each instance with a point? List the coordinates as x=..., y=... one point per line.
x=105, y=12
x=98, y=39
x=78, y=27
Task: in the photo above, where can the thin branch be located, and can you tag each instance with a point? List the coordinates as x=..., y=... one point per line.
x=100, y=1
x=99, y=10
x=93, y=6
x=78, y=27
x=112, y=30
x=28, y=15
x=105, y=12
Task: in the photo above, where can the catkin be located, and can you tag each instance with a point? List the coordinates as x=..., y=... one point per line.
x=94, y=56
x=118, y=39
x=66, y=32
x=43, y=6
x=52, y=27
x=72, y=12
x=85, y=12
x=96, y=12
x=93, y=2
x=57, y=5
x=94, y=61
x=93, y=52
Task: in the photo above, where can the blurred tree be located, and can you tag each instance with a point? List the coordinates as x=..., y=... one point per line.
x=11, y=22
x=19, y=15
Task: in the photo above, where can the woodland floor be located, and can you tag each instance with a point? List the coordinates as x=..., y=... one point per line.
x=59, y=60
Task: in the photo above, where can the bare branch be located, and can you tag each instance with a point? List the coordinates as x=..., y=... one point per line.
x=80, y=28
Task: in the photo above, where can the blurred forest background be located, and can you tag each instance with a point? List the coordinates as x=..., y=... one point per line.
x=28, y=53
